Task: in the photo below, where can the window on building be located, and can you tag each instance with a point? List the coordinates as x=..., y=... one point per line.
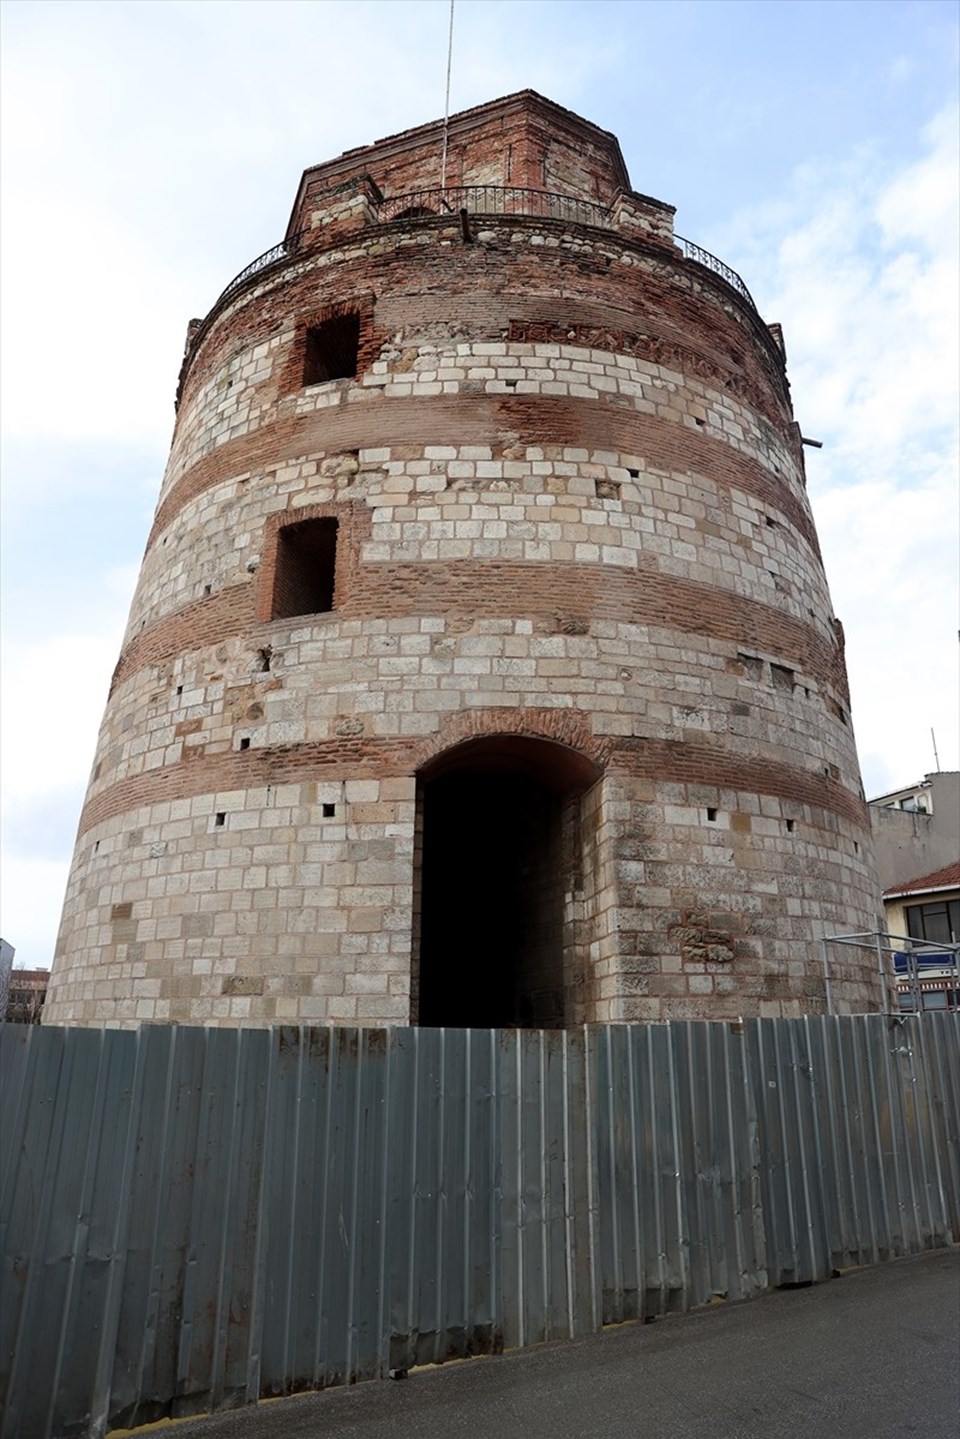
x=934, y=999
x=332, y=349
x=938, y=922
x=306, y=568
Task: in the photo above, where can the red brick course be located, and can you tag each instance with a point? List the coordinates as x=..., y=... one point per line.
x=358, y=757
x=544, y=592
x=471, y=420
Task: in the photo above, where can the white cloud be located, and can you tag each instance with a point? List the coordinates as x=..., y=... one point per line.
x=30, y=899
x=53, y=697
x=53, y=694
x=859, y=265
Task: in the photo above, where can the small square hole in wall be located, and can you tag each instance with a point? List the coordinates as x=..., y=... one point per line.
x=790, y=826
x=264, y=659
x=332, y=350
x=179, y=689
x=856, y=847
x=206, y=590
x=634, y=474
x=221, y=818
x=245, y=742
x=711, y=815
x=328, y=811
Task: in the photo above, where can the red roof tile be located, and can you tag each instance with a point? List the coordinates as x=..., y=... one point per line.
x=946, y=878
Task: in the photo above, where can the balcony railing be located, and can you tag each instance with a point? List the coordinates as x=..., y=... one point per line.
x=283, y=251
x=499, y=200
x=704, y=257
x=492, y=200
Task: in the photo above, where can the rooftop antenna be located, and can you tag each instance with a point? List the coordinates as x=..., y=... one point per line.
x=936, y=757
x=446, y=106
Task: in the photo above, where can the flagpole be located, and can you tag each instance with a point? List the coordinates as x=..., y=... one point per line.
x=446, y=107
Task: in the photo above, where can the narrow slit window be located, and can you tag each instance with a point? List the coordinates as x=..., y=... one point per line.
x=332, y=350
x=306, y=568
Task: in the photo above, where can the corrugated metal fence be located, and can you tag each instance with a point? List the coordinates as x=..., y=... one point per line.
x=194, y=1218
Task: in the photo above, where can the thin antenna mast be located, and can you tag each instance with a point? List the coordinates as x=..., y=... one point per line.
x=936, y=757
x=446, y=106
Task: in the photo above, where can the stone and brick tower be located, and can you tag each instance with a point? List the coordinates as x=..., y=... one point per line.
x=482, y=669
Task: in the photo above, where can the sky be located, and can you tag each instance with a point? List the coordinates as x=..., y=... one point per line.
x=151, y=148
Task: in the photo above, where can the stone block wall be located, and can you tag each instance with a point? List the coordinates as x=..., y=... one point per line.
x=570, y=510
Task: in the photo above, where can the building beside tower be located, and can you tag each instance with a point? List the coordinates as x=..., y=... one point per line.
x=482, y=668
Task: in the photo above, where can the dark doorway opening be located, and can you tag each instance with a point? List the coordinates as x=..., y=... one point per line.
x=499, y=842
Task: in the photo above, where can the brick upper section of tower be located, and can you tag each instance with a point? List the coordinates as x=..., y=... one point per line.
x=522, y=140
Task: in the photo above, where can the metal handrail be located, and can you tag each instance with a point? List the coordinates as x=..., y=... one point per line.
x=499, y=200
x=704, y=257
x=492, y=200
x=283, y=251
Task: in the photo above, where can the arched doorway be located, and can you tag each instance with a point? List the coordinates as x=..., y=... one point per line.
x=498, y=862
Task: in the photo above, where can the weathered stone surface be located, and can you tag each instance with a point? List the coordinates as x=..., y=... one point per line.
x=570, y=515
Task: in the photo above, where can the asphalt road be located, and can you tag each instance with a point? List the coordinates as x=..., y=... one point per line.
x=873, y=1355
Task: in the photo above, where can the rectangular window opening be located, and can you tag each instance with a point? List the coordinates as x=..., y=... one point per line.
x=329, y=810
x=332, y=350
x=937, y=922
x=711, y=815
x=306, y=569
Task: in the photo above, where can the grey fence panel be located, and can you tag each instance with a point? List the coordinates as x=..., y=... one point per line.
x=431, y=1252
x=679, y=1170
x=29, y=1088
x=546, y=1222
x=855, y=1117
x=54, y=1252
x=935, y=1041
x=194, y=1218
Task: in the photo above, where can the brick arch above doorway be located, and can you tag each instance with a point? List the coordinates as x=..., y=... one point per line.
x=556, y=747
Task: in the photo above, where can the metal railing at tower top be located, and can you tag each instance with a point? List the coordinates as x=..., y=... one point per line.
x=492, y=200
x=546, y=204
x=283, y=251
x=704, y=257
